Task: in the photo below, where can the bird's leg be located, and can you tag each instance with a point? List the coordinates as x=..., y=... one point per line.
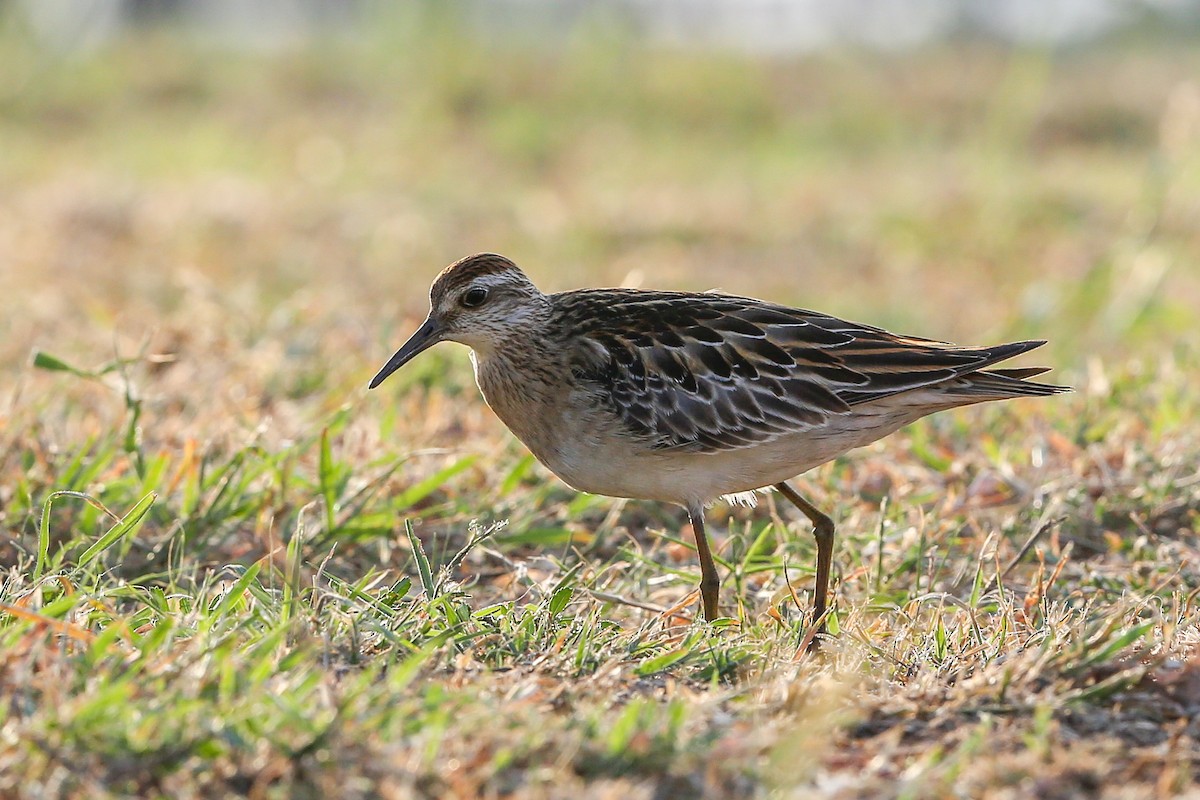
x=823, y=532
x=710, y=582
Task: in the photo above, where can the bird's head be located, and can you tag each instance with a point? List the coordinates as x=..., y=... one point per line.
x=481, y=301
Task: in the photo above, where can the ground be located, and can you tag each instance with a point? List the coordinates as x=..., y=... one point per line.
x=230, y=569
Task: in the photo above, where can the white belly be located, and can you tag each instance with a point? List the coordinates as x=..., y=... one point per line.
x=608, y=466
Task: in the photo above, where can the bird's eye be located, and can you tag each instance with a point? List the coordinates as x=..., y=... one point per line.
x=474, y=297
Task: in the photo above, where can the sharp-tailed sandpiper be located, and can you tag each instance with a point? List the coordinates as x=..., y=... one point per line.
x=685, y=397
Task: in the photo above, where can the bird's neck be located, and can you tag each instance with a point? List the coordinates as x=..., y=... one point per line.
x=522, y=384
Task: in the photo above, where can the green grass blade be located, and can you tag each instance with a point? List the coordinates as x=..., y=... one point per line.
x=43, y=360
x=418, y=492
x=422, y=561
x=327, y=481
x=239, y=589
x=43, y=553
x=129, y=525
x=663, y=662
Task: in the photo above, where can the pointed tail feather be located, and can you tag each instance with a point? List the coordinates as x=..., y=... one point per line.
x=999, y=384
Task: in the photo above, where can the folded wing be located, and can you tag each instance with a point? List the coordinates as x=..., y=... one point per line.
x=707, y=373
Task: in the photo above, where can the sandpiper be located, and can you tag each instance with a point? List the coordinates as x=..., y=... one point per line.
x=684, y=397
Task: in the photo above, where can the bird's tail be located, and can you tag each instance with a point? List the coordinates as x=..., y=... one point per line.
x=999, y=384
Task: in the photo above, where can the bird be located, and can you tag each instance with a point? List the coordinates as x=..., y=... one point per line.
x=685, y=397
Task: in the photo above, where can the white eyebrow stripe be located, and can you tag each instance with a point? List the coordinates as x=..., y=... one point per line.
x=490, y=281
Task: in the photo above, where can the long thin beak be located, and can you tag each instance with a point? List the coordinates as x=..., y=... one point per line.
x=426, y=335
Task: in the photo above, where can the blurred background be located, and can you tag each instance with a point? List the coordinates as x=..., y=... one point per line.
x=244, y=203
